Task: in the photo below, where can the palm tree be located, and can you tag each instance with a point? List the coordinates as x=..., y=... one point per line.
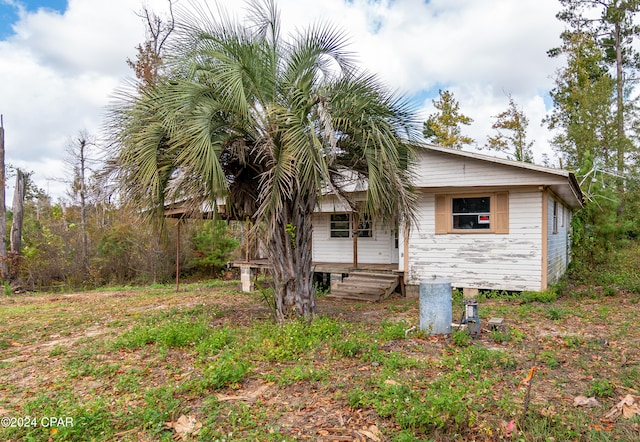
x=271, y=124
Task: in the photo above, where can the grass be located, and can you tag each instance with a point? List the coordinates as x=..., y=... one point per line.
x=122, y=363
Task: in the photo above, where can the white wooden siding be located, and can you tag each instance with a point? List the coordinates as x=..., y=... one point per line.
x=375, y=250
x=557, y=243
x=331, y=204
x=438, y=169
x=510, y=261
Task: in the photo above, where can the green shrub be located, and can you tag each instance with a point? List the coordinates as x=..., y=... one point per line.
x=213, y=246
x=546, y=296
x=461, y=338
x=600, y=388
x=227, y=369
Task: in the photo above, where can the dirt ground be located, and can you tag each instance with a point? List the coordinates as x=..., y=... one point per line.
x=572, y=342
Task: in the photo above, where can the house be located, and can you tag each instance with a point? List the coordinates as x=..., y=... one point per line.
x=482, y=222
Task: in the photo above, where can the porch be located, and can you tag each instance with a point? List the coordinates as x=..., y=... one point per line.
x=366, y=281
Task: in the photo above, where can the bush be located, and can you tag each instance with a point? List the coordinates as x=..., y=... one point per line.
x=213, y=246
x=546, y=296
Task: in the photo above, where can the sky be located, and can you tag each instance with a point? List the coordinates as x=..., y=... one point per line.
x=62, y=61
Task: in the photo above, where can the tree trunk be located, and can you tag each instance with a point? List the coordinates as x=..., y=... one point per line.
x=4, y=265
x=16, y=225
x=290, y=255
x=621, y=142
x=18, y=212
x=83, y=206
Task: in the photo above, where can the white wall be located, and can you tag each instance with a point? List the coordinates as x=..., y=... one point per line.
x=488, y=261
x=557, y=243
x=436, y=169
x=375, y=250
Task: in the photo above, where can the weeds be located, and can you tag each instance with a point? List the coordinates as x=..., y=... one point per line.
x=600, y=388
x=226, y=370
x=501, y=336
x=289, y=341
x=544, y=297
x=268, y=297
x=171, y=334
x=573, y=342
x=549, y=358
x=392, y=330
x=434, y=403
x=167, y=361
x=461, y=338
x=555, y=314
x=350, y=347
x=299, y=373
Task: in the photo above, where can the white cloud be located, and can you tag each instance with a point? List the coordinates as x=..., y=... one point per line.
x=59, y=70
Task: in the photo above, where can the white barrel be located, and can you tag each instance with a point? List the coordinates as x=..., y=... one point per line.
x=435, y=306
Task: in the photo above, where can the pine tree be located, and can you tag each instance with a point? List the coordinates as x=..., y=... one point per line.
x=511, y=137
x=583, y=98
x=443, y=127
x=615, y=31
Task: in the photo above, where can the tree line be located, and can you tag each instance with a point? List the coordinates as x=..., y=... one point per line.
x=86, y=241
x=594, y=122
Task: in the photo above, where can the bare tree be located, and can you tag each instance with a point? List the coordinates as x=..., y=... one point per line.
x=18, y=211
x=16, y=224
x=77, y=159
x=4, y=266
x=149, y=58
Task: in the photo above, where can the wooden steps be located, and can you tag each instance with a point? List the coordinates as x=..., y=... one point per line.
x=365, y=286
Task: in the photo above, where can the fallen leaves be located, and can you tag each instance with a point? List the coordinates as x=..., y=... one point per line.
x=372, y=433
x=251, y=396
x=528, y=378
x=583, y=401
x=364, y=434
x=628, y=407
x=185, y=426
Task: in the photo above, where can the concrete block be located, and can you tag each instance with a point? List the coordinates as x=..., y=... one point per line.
x=496, y=323
x=335, y=278
x=246, y=278
x=469, y=293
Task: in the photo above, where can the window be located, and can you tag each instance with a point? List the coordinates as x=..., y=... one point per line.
x=341, y=226
x=555, y=216
x=365, y=227
x=472, y=213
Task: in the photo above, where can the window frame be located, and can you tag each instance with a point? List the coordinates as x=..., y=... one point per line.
x=332, y=229
x=498, y=213
x=366, y=225
x=472, y=214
